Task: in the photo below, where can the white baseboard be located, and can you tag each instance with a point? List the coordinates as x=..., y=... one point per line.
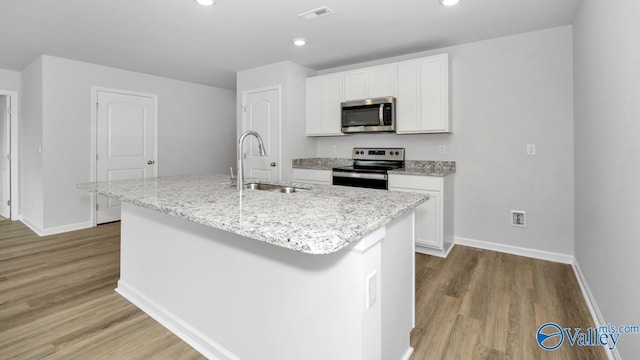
x=515, y=250
x=408, y=354
x=54, y=230
x=196, y=339
x=435, y=252
x=598, y=319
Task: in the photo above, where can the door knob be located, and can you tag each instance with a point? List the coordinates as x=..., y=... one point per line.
x=150, y=162
x=273, y=164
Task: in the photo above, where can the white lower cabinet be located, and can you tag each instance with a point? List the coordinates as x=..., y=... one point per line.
x=310, y=176
x=434, y=218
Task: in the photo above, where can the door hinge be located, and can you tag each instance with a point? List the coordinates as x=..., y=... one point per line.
x=96, y=207
x=244, y=108
x=8, y=202
x=97, y=106
x=96, y=156
x=9, y=156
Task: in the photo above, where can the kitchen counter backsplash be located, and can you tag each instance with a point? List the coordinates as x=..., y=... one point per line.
x=321, y=163
x=426, y=168
x=412, y=167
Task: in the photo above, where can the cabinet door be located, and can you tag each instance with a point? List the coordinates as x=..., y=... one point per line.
x=355, y=85
x=408, y=102
x=428, y=219
x=314, y=105
x=371, y=82
x=434, y=93
x=323, y=95
x=332, y=99
x=381, y=81
x=423, y=95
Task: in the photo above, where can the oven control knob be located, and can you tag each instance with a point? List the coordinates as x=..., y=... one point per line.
x=357, y=152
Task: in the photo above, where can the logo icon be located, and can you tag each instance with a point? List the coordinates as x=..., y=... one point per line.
x=550, y=336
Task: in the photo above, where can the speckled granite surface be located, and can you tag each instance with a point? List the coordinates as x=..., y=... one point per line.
x=320, y=163
x=426, y=168
x=320, y=220
x=412, y=167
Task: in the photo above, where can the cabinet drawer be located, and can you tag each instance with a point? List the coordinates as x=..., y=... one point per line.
x=431, y=183
x=312, y=176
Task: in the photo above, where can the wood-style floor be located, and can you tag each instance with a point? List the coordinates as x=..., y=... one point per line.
x=57, y=301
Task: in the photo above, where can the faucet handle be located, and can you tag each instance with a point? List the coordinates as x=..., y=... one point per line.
x=233, y=178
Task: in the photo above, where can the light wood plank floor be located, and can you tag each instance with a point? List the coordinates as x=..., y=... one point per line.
x=480, y=304
x=57, y=302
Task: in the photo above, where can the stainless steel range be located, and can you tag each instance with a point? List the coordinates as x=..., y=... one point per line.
x=370, y=167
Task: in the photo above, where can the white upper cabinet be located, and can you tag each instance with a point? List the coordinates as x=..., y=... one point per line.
x=423, y=96
x=421, y=88
x=373, y=82
x=322, y=105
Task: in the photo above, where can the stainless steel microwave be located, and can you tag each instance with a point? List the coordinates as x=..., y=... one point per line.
x=369, y=115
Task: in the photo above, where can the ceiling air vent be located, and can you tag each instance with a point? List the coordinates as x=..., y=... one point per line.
x=316, y=13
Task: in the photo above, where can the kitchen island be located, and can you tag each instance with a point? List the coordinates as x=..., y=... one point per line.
x=325, y=272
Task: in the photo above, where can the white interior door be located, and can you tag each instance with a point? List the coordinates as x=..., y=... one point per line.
x=125, y=144
x=5, y=162
x=261, y=113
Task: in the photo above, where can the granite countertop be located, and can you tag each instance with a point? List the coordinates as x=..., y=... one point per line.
x=426, y=168
x=320, y=163
x=412, y=167
x=319, y=219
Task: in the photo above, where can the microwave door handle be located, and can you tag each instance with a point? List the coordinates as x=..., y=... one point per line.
x=381, y=114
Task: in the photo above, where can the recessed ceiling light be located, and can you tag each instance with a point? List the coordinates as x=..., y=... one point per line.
x=449, y=2
x=299, y=41
x=206, y=2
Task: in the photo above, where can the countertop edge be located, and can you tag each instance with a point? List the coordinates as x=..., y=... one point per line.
x=328, y=246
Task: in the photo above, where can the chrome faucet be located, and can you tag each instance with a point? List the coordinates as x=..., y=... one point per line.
x=240, y=170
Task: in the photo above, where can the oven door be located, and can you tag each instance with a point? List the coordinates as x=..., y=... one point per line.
x=358, y=179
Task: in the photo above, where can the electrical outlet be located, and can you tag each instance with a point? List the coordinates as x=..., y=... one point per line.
x=372, y=289
x=442, y=149
x=518, y=218
x=531, y=149
x=333, y=149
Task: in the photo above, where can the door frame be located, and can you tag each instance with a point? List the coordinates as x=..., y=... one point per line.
x=94, y=137
x=14, y=182
x=243, y=125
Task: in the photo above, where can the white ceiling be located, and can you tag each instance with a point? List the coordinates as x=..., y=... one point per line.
x=183, y=40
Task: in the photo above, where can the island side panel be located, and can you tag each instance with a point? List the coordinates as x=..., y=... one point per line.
x=232, y=297
x=398, y=290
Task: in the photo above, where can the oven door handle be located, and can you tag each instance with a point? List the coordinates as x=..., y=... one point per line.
x=360, y=175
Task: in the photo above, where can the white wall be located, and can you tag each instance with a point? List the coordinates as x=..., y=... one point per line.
x=290, y=77
x=607, y=149
x=196, y=126
x=505, y=93
x=9, y=80
x=30, y=130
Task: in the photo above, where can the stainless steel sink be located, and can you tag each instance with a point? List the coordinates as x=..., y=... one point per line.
x=270, y=187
